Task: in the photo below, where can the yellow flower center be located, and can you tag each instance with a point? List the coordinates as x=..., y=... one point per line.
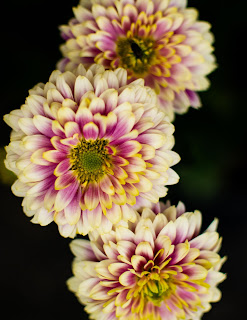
x=136, y=54
x=90, y=159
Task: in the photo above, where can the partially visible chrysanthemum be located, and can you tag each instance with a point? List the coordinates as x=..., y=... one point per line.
x=156, y=268
x=85, y=143
x=161, y=41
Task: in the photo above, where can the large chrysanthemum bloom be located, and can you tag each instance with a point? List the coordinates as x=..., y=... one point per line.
x=86, y=147
x=161, y=41
x=156, y=268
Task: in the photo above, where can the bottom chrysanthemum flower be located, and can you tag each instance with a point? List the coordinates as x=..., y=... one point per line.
x=156, y=268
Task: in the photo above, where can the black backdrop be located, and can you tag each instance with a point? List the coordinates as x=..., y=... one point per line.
x=36, y=261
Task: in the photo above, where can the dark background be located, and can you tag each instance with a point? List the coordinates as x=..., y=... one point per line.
x=36, y=261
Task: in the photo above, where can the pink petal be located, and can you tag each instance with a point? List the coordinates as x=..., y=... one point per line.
x=156, y=140
x=138, y=262
x=62, y=167
x=65, y=196
x=36, y=172
x=92, y=196
x=181, y=250
x=110, y=97
x=83, y=116
x=90, y=131
x=56, y=142
x=182, y=226
x=163, y=26
x=58, y=129
x=44, y=125
x=117, y=268
x=124, y=125
x=195, y=272
x=127, y=279
x=129, y=148
x=64, y=181
x=40, y=187
x=144, y=249
x=54, y=156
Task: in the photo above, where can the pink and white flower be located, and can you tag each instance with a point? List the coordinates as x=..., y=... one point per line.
x=161, y=41
x=86, y=147
x=159, y=267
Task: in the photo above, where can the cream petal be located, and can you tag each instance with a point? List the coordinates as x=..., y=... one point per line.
x=103, y=271
x=65, y=114
x=126, y=248
x=82, y=85
x=114, y=214
x=63, y=87
x=169, y=230
x=73, y=211
x=205, y=241
x=182, y=226
x=82, y=249
x=195, y=272
x=106, y=185
x=117, y=268
x=99, y=292
x=27, y=126
x=71, y=128
x=110, y=97
x=35, y=142
x=44, y=217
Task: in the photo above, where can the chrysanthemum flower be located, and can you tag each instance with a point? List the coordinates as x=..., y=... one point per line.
x=156, y=268
x=161, y=41
x=86, y=147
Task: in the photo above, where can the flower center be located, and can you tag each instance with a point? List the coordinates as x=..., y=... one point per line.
x=156, y=290
x=154, y=287
x=90, y=159
x=136, y=54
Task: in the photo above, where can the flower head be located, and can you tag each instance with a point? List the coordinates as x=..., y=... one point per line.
x=160, y=41
x=157, y=268
x=86, y=147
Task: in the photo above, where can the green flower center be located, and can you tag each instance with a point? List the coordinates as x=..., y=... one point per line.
x=90, y=159
x=156, y=291
x=136, y=54
x=153, y=287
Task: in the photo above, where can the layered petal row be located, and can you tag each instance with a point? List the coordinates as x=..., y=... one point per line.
x=161, y=41
x=87, y=148
x=159, y=267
